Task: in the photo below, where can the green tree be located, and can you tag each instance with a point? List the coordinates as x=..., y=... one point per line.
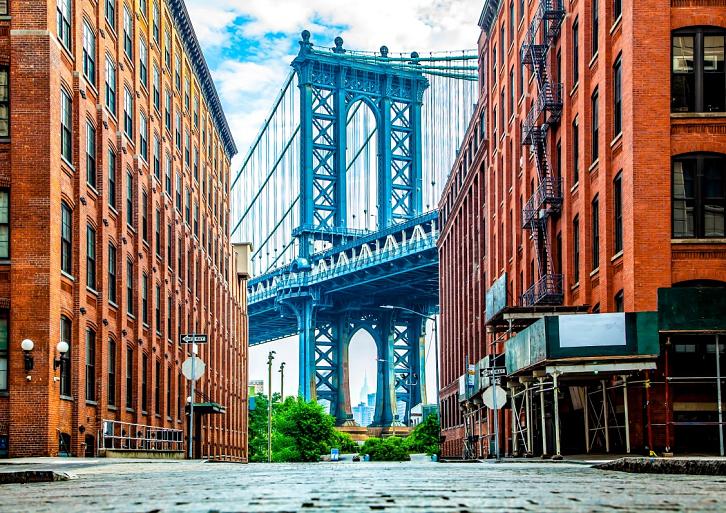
x=425, y=437
x=344, y=442
x=257, y=427
x=303, y=431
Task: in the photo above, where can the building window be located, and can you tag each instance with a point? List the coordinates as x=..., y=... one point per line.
x=4, y=223
x=575, y=52
x=595, y=25
x=4, y=101
x=178, y=130
x=129, y=377
x=617, y=9
x=66, y=238
x=196, y=220
x=143, y=62
x=65, y=370
x=595, y=233
x=619, y=302
x=188, y=207
x=167, y=111
x=157, y=309
x=576, y=249
x=144, y=216
x=698, y=75
x=188, y=151
x=699, y=195
x=143, y=137
x=157, y=238
x=617, y=96
x=157, y=158
x=618, y=211
x=157, y=388
x=187, y=88
x=575, y=151
x=155, y=20
x=169, y=310
x=130, y=199
x=130, y=280
x=63, y=19
x=167, y=49
x=128, y=114
x=167, y=175
x=144, y=382
x=91, y=154
x=90, y=257
x=111, y=380
x=157, y=88
x=3, y=350
x=511, y=22
x=89, y=53
x=90, y=365
x=143, y=7
x=502, y=46
x=128, y=34
x=595, y=104
x=177, y=72
x=178, y=192
x=111, y=13
x=66, y=126
x=145, y=299
x=111, y=86
x=168, y=391
x=112, y=273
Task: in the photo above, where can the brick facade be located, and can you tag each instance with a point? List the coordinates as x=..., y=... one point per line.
x=490, y=188
x=185, y=259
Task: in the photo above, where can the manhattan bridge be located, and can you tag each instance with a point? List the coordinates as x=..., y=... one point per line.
x=338, y=196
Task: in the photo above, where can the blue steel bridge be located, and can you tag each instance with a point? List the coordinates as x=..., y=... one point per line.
x=338, y=197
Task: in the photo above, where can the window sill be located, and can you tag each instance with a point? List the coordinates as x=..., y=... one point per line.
x=112, y=407
x=595, y=272
x=91, y=403
x=131, y=316
x=697, y=115
x=574, y=88
x=617, y=256
x=575, y=286
x=593, y=61
x=616, y=24
x=699, y=241
x=574, y=188
x=67, y=276
x=618, y=141
x=5, y=261
x=130, y=410
x=66, y=398
x=593, y=165
x=112, y=304
x=91, y=290
x=68, y=164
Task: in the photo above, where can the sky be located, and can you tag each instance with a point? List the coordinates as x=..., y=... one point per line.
x=249, y=44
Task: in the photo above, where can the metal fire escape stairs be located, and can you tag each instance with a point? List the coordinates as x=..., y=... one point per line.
x=546, y=110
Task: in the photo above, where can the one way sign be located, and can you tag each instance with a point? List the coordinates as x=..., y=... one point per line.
x=192, y=338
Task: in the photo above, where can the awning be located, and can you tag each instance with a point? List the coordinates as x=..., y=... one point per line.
x=692, y=309
x=208, y=407
x=578, y=341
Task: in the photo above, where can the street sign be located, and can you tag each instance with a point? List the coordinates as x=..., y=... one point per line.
x=192, y=338
x=493, y=371
x=490, y=401
x=193, y=368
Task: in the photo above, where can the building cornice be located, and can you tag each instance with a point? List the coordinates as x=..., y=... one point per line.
x=489, y=14
x=183, y=23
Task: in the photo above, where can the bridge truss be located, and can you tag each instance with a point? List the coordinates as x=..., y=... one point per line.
x=338, y=196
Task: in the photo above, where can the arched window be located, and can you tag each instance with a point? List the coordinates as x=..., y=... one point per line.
x=698, y=76
x=699, y=195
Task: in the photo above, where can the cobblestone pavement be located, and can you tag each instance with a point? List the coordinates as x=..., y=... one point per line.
x=226, y=487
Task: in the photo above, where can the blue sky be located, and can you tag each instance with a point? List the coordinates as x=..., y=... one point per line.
x=249, y=45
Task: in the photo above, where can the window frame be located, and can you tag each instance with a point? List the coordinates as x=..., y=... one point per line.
x=699, y=198
x=618, y=95
x=90, y=384
x=618, y=212
x=112, y=273
x=5, y=239
x=595, y=223
x=698, y=33
x=91, y=257
x=66, y=238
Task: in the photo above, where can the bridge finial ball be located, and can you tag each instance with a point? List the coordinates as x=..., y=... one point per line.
x=338, y=42
x=414, y=55
x=305, y=35
x=384, y=51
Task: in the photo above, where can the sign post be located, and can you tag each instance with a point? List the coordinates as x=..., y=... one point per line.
x=491, y=398
x=192, y=370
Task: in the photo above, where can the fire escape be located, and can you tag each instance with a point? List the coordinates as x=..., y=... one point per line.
x=545, y=111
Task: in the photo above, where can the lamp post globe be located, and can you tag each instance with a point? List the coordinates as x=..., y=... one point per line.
x=27, y=345
x=62, y=347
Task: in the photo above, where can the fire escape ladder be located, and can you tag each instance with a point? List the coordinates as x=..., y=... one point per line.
x=546, y=110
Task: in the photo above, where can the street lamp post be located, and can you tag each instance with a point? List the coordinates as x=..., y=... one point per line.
x=270, y=357
x=282, y=381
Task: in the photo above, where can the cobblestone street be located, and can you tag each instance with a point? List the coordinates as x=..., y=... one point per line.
x=206, y=487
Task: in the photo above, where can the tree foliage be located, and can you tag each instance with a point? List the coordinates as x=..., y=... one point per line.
x=425, y=437
x=303, y=431
x=392, y=448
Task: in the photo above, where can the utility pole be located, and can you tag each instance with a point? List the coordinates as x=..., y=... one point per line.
x=282, y=381
x=270, y=357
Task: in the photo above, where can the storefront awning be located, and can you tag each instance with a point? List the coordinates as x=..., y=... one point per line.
x=584, y=340
x=208, y=407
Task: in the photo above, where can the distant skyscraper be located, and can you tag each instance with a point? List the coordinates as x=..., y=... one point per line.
x=363, y=414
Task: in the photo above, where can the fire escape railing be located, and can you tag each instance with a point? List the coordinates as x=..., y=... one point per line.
x=546, y=110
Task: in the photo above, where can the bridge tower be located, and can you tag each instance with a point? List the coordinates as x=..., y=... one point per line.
x=330, y=84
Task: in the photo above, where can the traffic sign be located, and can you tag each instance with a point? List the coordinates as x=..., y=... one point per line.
x=192, y=338
x=490, y=401
x=193, y=368
x=493, y=371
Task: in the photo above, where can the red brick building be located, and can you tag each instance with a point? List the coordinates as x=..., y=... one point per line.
x=114, y=234
x=592, y=182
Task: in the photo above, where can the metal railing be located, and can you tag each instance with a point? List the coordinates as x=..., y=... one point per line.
x=546, y=290
x=125, y=436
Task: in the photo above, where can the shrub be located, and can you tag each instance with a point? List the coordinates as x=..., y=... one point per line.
x=386, y=449
x=425, y=437
x=344, y=442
